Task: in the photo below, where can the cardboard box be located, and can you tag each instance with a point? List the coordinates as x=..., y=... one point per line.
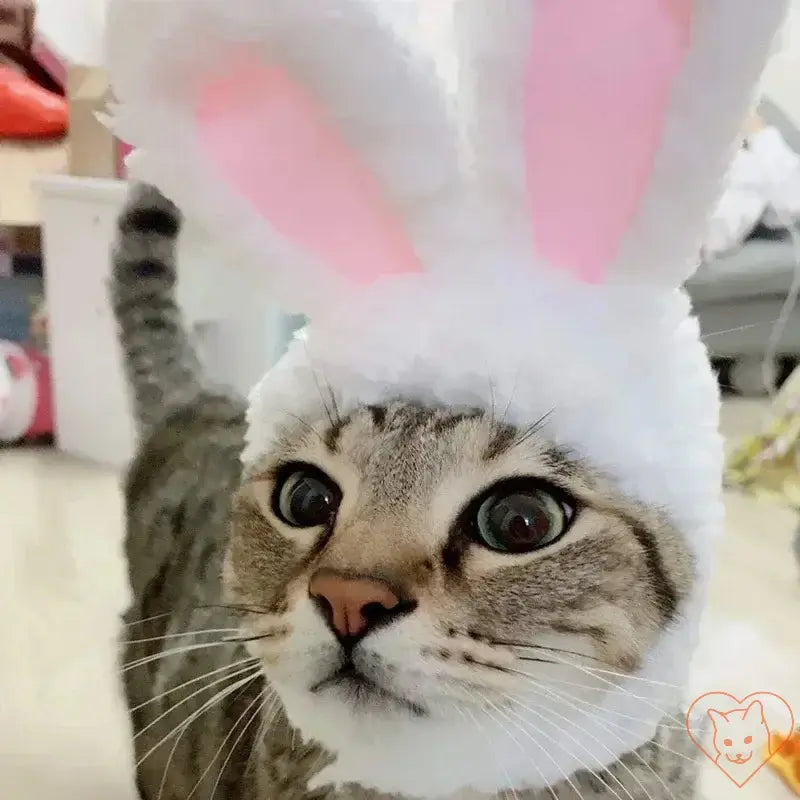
x=94, y=152
x=16, y=23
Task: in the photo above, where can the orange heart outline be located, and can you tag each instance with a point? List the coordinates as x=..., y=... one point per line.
x=737, y=703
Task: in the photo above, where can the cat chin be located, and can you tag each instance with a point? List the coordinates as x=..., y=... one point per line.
x=392, y=751
x=389, y=749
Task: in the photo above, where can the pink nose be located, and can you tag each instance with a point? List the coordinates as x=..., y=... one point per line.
x=352, y=606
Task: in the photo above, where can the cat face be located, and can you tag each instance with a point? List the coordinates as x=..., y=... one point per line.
x=739, y=734
x=410, y=568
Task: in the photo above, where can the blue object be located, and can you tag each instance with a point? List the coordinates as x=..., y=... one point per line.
x=16, y=297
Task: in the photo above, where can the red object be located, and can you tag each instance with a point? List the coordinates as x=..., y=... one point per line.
x=42, y=422
x=27, y=111
x=123, y=151
x=26, y=402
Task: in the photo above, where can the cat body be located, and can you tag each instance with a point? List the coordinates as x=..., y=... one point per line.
x=468, y=545
x=203, y=558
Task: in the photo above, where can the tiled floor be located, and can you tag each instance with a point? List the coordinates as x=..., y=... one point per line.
x=61, y=574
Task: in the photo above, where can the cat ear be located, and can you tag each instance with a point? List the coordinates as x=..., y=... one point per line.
x=612, y=123
x=305, y=130
x=754, y=712
x=717, y=717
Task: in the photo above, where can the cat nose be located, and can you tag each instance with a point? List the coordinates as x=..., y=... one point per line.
x=352, y=606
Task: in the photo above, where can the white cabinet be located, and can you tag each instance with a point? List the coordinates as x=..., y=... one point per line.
x=239, y=337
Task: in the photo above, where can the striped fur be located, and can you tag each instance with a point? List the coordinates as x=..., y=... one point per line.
x=612, y=588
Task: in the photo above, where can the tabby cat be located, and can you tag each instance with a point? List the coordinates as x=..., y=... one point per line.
x=216, y=563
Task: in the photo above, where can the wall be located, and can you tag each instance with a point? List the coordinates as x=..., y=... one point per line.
x=782, y=78
x=73, y=27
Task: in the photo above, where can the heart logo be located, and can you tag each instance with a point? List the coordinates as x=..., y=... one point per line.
x=737, y=734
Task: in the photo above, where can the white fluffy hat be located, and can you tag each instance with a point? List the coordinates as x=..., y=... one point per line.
x=540, y=272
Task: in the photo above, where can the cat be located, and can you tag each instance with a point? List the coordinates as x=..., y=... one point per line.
x=209, y=550
x=741, y=738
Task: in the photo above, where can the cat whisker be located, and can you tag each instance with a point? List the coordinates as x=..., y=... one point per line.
x=540, y=713
x=537, y=660
x=492, y=750
x=266, y=721
x=183, y=685
x=332, y=396
x=541, y=747
x=331, y=414
x=304, y=423
x=613, y=673
x=492, y=404
x=254, y=669
x=247, y=609
x=140, y=662
x=173, y=750
x=254, y=638
x=225, y=763
x=182, y=726
x=148, y=619
x=258, y=698
x=177, y=742
x=178, y=635
x=635, y=753
x=570, y=700
x=509, y=670
x=523, y=721
x=510, y=400
x=533, y=429
x=737, y=329
x=586, y=670
x=560, y=682
x=596, y=706
x=466, y=711
x=523, y=646
x=613, y=685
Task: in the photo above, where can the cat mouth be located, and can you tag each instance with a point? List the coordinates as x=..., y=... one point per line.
x=362, y=692
x=739, y=759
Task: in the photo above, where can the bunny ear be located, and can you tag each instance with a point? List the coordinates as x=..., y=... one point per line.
x=613, y=123
x=267, y=136
x=305, y=130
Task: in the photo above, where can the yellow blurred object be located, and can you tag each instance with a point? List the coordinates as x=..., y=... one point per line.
x=754, y=124
x=786, y=761
x=767, y=465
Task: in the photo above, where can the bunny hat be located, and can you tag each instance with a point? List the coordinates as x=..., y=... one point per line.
x=534, y=263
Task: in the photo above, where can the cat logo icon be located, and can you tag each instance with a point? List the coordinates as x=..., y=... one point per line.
x=736, y=733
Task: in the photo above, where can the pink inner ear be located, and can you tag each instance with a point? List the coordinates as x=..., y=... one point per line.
x=597, y=95
x=270, y=141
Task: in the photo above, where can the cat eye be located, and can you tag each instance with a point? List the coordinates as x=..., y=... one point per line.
x=305, y=497
x=521, y=516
